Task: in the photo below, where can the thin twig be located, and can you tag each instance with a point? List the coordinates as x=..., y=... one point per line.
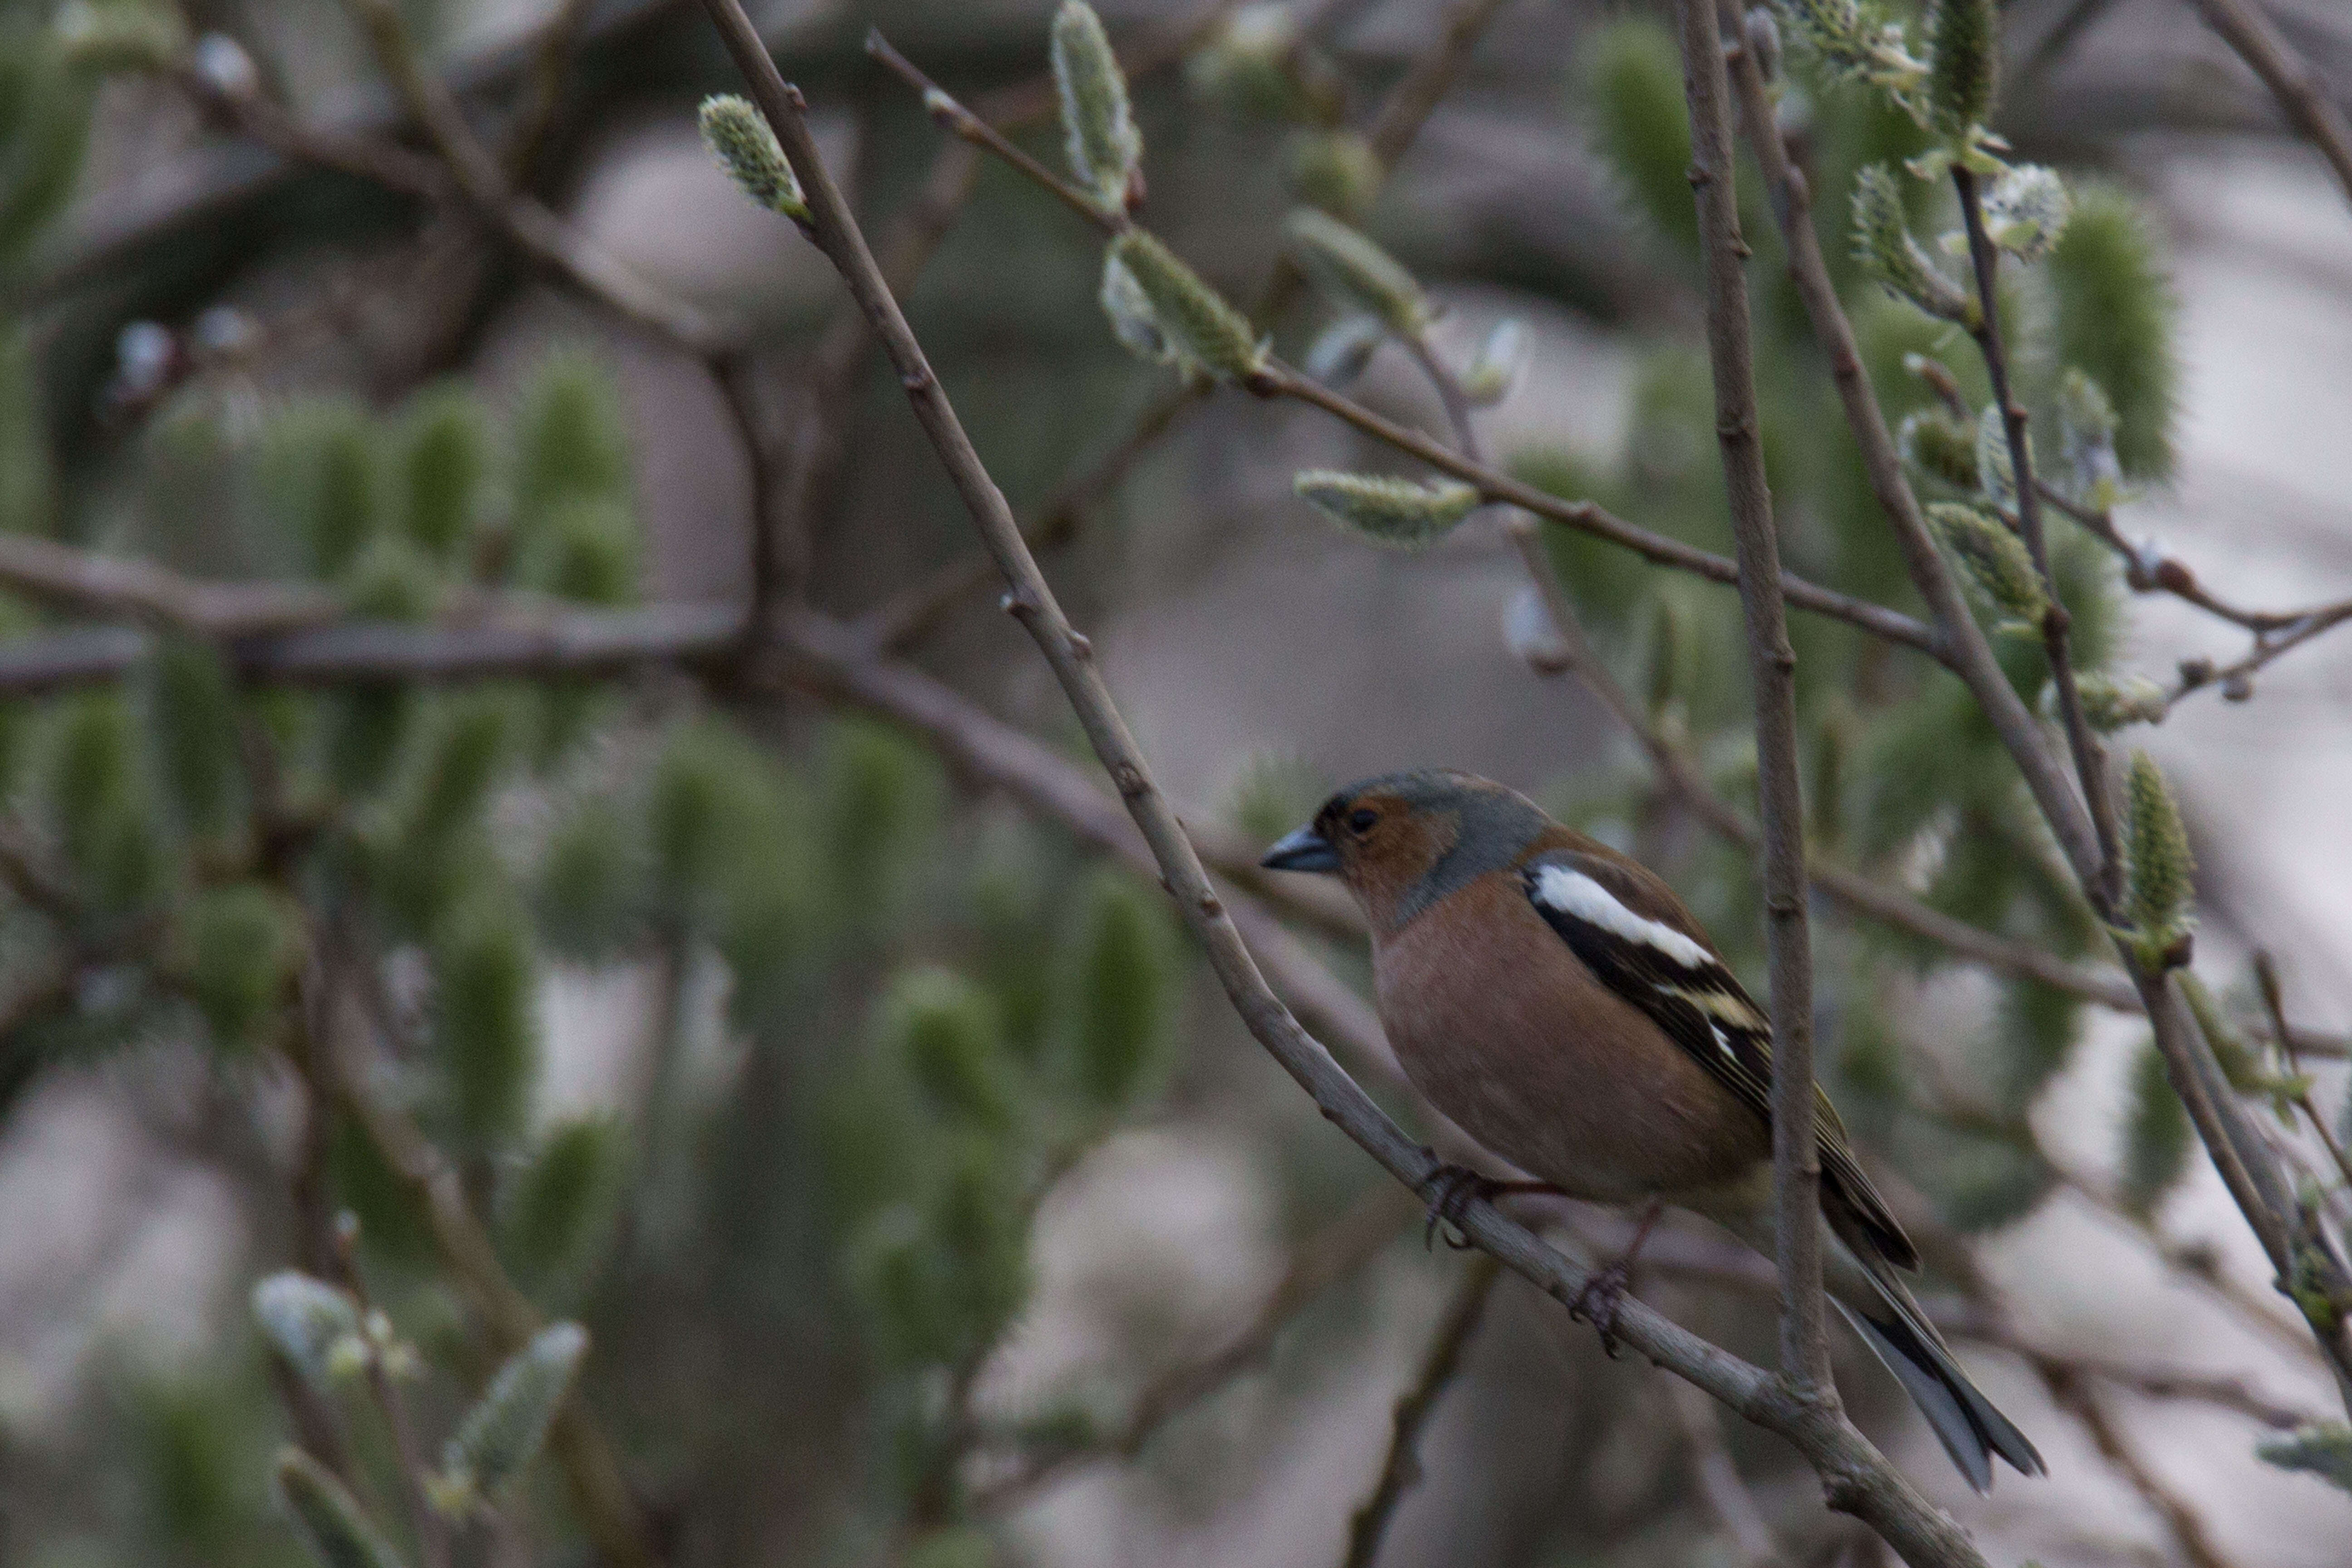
x=1856, y=1478
x=431, y=1529
x=1429, y=79
x=1727, y=1497
x=2074, y=1395
x=1316, y=1265
x=2106, y=888
x=1967, y=652
x=2266, y=980
x=2300, y=95
x=1772, y=673
x=1401, y=1467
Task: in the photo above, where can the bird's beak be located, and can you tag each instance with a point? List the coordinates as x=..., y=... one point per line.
x=1305, y=850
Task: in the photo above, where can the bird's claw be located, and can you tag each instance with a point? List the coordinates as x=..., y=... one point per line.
x=1597, y=1303
x=1451, y=1189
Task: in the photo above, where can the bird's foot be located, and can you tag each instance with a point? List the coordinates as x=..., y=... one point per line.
x=1597, y=1303
x=1451, y=1189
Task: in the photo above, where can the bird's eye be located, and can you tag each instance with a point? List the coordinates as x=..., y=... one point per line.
x=1361, y=819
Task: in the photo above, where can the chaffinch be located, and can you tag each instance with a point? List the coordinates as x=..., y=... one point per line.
x=1557, y=1001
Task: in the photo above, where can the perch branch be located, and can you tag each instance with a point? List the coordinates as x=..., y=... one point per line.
x=1772, y=672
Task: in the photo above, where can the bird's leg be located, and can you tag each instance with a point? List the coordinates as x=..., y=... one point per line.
x=1605, y=1291
x=1451, y=1189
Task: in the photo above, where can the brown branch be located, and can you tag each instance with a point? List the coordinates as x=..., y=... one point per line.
x=2106, y=888
x=551, y=62
x=2300, y=97
x=532, y=227
x=2074, y=1395
x=1772, y=672
x=1965, y=650
x=2266, y=980
x=1439, y=1361
x=1856, y=1478
x=1316, y=1265
x=1429, y=79
x=1726, y=1496
x=112, y=585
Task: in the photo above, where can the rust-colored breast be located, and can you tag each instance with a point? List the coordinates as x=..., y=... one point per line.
x=1508, y=1033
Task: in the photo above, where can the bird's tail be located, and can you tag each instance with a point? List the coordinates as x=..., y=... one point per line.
x=1883, y=1312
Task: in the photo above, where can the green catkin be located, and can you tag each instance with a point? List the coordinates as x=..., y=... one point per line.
x=1118, y=979
x=238, y=950
x=314, y=1325
x=1387, y=511
x=1632, y=69
x=2322, y=1449
x=191, y=716
x=945, y=1032
x=1191, y=317
x=2116, y=320
x=1104, y=147
x=571, y=439
x=1995, y=563
x=562, y=1204
x=485, y=1019
x=1356, y=273
x=1883, y=247
x=504, y=1431
x=442, y=468
x=1936, y=442
x=739, y=137
x=332, y=1525
x=2155, y=1134
x=1964, y=65
x=590, y=894
x=2163, y=873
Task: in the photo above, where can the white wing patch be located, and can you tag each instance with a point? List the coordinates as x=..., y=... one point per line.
x=1578, y=895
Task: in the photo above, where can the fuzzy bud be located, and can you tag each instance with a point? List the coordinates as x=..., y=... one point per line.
x=2157, y=1135
x=2086, y=431
x=312, y=1324
x=1106, y=151
x=1995, y=563
x=222, y=64
x=1501, y=360
x=1357, y=273
x=1388, y=511
x=2163, y=874
x=503, y=1432
x=1341, y=351
x=1188, y=315
x=739, y=136
x=1964, y=66
x=1334, y=169
x=1855, y=44
x=1130, y=310
x=1883, y=245
x=2026, y=210
x=1936, y=441
x=1996, y=474
x=2324, y=1450
x=329, y=1520
x=2112, y=702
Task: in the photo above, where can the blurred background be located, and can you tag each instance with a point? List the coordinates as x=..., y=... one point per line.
x=922, y=1199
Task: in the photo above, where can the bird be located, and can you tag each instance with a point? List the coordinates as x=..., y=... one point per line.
x=1556, y=1000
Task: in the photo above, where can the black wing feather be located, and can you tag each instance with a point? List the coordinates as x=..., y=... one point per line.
x=1693, y=996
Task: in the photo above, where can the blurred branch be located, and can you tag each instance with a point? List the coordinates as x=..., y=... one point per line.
x=2074, y=1395
x=1429, y=79
x=1856, y=1478
x=114, y=585
x=1772, y=676
x=202, y=185
x=2311, y=111
x=1439, y=1361
x=2266, y=980
x=607, y=1510
x=551, y=63
x=1727, y=1497
x=2147, y=570
x=1316, y=1265
x=536, y=231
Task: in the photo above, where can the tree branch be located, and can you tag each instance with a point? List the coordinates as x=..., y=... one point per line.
x=2309, y=110
x=1855, y=1477
x=1439, y=1361
x=1772, y=670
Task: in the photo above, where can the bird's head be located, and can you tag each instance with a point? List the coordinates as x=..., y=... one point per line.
x=1402, y=842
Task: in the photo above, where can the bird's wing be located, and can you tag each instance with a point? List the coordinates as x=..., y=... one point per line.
x=1636, y=937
